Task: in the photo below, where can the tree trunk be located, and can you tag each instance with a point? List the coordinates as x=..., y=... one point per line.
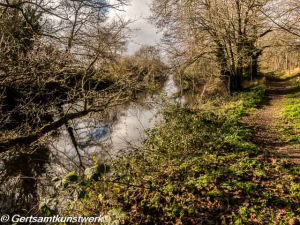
x=226, y=75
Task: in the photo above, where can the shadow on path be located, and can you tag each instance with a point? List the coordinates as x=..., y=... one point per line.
x=265, y=123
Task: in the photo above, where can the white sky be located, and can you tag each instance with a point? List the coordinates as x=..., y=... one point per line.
x=147, y=34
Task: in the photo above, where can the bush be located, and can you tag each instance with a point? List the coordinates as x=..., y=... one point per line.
x=198, y=167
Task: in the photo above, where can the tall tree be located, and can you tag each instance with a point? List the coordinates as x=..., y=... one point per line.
x=226, y=31
x=58, y=49
x=50, y=60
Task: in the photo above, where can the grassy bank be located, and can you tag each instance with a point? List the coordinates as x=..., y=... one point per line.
x=291, y=111
x=198, y=167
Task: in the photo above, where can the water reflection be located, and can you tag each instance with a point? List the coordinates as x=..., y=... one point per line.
x=22, y=180
x=26, y=173
x=111, y=134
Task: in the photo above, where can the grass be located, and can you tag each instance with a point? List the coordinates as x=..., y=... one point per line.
x=291, y=113
x=198, y=167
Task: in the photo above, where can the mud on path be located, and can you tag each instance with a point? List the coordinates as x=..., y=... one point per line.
x=267, y=120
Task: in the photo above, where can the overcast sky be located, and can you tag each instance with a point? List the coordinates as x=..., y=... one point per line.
x=147, y=34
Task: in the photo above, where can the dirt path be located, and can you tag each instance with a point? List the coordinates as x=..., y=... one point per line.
x=266, y=122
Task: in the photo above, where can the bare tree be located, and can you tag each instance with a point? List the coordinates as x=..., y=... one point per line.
x=52, y=60
x=224, y=31
x=62, y=71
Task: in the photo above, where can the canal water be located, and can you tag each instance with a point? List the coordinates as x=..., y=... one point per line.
x=112, y=134
x=25, y=178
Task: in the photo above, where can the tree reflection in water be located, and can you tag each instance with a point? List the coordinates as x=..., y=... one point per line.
x=22, y=177
x=26, y=173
